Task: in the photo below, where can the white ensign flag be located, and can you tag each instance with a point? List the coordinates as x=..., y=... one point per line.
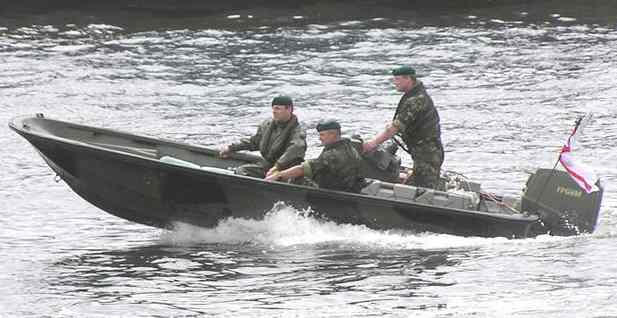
x=581, y=174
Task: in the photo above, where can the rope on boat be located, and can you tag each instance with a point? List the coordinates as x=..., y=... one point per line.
x=494, y=198
x=464, y=180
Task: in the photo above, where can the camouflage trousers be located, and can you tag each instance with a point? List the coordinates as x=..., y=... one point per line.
x=425, y=174
x=427, y=168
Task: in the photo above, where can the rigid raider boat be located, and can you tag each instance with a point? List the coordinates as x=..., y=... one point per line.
x=160, y=182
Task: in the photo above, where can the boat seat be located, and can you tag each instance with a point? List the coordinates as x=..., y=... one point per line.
x=219, y=170
x=179, y=162
x=453, y=199
x=389, y=190
x=404, y=192
x=188, y=164
x=378, y=188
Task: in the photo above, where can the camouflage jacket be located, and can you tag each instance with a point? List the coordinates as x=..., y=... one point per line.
x=418, y=123
x=336, y=168
x=283, y=144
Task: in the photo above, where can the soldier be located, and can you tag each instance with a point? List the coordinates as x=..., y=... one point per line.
x=336, y=168
x=280, y=140
x=416, y=121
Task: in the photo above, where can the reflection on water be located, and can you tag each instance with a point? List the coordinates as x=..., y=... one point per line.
x=248, y=276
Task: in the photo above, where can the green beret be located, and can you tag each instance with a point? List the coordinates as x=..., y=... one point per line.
x=282, y=100
x=328, y=124
x=404, y=70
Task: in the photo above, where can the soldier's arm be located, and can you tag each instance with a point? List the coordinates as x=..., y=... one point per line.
x=293, y=172
x=406, y=115
x=296, y=149
x=307, y=169
x=389, y=132
x=251, y=143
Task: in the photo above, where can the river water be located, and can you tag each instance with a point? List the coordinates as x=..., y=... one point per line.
x=508, y=82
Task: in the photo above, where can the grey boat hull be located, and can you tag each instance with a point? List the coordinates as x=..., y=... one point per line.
x=123, y=175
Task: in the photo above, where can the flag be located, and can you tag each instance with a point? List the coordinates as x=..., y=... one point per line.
x=582, y=175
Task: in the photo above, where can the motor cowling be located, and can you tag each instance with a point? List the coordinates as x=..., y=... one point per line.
x=381, y=164
x=564, y=208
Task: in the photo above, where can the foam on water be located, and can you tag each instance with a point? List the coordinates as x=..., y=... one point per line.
x=285, y=226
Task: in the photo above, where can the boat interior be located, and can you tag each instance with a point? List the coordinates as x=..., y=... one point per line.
x=460, y=193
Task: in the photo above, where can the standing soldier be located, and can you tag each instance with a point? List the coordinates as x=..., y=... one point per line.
x=280, y=140
x=336, y=168
x=416, y=121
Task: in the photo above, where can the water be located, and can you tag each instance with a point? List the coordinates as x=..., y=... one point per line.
x=508, y=82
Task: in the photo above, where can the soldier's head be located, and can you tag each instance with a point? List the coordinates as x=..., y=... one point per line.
x=282, y=108
x=329, y=131
x=404, y=78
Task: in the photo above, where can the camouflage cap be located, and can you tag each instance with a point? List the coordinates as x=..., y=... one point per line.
x=282, y=100
x=328, y=124
x=404, y=70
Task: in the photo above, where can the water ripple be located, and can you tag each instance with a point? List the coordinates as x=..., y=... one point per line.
x=508, y=84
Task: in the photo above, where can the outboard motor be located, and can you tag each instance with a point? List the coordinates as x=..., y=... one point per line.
x=564, y=208
x=381, y=164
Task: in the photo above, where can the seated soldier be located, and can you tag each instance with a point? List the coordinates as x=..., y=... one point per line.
x=280, y=140
x=336, y=168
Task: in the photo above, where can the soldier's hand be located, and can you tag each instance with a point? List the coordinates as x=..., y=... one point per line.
x=272, y=170
x=390, y=127
x=404, y=177
x=224, y=152
x=274, y=176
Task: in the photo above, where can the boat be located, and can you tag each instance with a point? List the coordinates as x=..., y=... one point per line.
x=161, y=183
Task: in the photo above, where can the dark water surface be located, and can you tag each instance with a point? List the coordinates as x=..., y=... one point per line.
x=508, y=82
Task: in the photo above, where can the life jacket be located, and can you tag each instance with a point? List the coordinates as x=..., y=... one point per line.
x=272, y=150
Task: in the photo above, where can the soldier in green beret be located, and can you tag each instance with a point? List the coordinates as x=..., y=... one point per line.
x=416, y=122
x=336, y=168
x=281, y=141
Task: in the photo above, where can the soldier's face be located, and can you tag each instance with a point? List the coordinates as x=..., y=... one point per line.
x=403, y=83
x=281, y=113
x=328, y=136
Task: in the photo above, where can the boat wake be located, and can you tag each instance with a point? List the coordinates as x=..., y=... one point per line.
x=286, y=226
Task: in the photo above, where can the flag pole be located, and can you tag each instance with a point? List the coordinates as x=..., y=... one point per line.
x=577, y=123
